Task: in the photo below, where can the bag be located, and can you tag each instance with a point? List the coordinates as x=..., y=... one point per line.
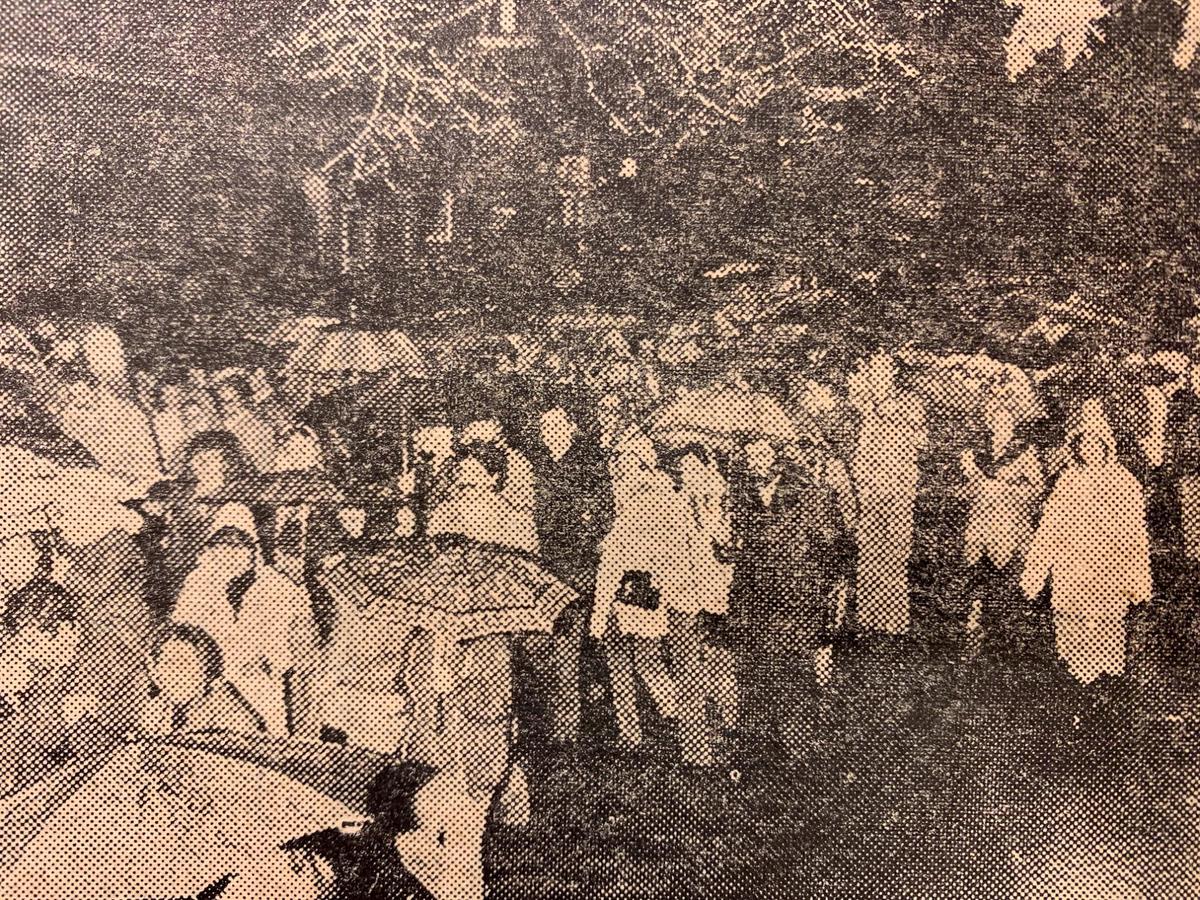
x=638, y=590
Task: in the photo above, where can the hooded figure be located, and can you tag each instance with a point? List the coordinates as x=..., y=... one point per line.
x=1093, y=546
x=260, y=619
x=477, y=508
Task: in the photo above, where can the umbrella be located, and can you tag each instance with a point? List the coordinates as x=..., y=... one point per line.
x=300, y=330
x=282, y=489
x=459, y=591
x=970, y=382
x=726, y=410
x=167, y=817
x=206, y=806
x=337, y=349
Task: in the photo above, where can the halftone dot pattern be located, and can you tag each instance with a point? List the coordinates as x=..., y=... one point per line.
x=599, y=449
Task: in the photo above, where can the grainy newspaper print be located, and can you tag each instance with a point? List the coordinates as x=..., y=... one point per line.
x=599, y=449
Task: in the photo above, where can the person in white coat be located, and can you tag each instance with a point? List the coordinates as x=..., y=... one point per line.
x=643, y=569
x=1093, y=547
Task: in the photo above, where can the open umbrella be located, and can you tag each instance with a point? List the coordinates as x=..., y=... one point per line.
x=337, y=349
x=282, y=489
x=168, y=817
x=458, y=590
x=726, y=410
x=299, y=330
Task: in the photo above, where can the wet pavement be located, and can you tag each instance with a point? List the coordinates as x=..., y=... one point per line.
x=926, y=776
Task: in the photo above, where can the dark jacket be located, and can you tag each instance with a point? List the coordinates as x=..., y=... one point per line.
x=784, y=552
x=573, y=511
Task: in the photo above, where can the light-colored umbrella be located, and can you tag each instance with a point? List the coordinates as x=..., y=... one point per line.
x=459, y=592
x=726, y=410
x=163, y=818
x=341, y=349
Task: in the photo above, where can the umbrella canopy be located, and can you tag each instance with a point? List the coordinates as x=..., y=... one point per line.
x=970, y=382
x=726, y=410
x=459, y=591
x=282, y=489
x=169, y=817
x=336, y=349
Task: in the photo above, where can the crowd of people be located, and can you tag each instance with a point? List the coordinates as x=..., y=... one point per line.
x=179, y=588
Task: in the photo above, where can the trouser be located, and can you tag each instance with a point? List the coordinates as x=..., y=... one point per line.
x=776, y=678
x=553, y=662
x=685, y=641
x=631, y=657
x=885, y=532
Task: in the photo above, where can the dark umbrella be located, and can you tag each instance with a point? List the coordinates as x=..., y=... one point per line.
x=281, y=489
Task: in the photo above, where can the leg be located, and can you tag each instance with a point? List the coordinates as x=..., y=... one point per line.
x=619, y=653
x=687, y=651
x=565, y=696
x=652, y=669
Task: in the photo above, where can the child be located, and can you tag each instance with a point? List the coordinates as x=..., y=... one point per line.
x=189, y=691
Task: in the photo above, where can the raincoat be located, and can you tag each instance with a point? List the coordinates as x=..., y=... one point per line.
x=1092, y=545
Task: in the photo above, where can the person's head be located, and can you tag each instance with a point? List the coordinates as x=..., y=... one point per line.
x=353, y=520
x=557, y=430
x=228, y=554
x=184, y=664
x=881, y=374
x=170, y=395
x=482, y=431
x=434, y=442
x=477, y=470
x=42, y=622
x=213, y=459
x=760, y=458
x=1000, y=420
x=492, y=466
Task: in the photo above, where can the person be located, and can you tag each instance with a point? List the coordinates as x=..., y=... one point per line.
x=478, y=507
x=261, y=620
x=572, y=512
x=212, y=462
x=460, y=695
x=171, y=431
x=44, y=720
x=518, y=488
x=257, y=438
x=299, y=450
x=784, y=525
x=704, y=665
x=97, y=409
x=188, y=689
x=1093, y=548
x=433, y=474
x=643, y=561
x=891, y=436
x=1005, y=487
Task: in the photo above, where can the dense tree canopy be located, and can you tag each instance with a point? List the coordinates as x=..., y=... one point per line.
x=948, y=172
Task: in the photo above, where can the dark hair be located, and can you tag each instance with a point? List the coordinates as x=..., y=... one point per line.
x=493, y=459
x=42, y=602
x=240, y=386
x=230, y=536
x=222, y=442
x=211, y=658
